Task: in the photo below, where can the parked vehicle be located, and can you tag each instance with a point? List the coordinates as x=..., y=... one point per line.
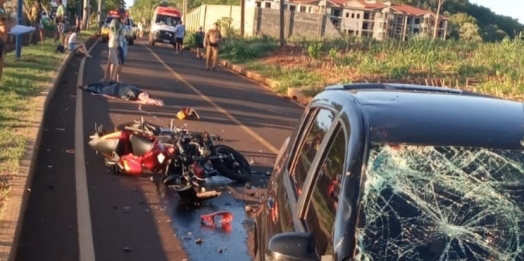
x=398, y=172
x=163, y=25
x=184, y=159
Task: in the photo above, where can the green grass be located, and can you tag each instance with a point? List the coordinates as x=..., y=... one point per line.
x=22, y=81
x=493, y=68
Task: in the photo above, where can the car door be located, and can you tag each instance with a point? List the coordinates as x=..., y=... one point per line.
x=280, y=211
x=320, y=192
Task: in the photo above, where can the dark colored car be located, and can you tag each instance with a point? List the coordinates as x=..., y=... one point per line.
x=398, y=172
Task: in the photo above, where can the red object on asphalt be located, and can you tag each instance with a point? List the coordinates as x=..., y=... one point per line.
x=209, y=219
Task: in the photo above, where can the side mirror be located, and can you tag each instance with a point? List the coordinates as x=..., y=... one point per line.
x=292, y=246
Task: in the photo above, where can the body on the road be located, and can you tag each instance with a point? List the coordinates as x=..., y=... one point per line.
x=180, y=33
x=116, y=90
x=211, y=43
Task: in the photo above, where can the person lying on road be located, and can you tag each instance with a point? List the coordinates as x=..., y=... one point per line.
x=123, y=91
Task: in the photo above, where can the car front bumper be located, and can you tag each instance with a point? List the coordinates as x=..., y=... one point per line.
x=164, y=36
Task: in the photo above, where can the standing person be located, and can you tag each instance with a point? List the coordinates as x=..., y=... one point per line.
x=199, y=40
x=122, y=48
x=36, y=20
x=140, y=29
x=180, y=33
x=59, y=18
x=113, y=60
x=211, y=43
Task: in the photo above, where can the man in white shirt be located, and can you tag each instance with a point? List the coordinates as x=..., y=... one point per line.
x=180, y=33
x=74, y=44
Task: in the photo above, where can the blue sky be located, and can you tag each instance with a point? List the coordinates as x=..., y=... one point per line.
x=503, y=7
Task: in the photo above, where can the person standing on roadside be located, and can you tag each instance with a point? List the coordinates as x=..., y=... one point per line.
x=113, y=59
x=122, y=47
x=211, y=43
x=36, y=20
x=59, y=18
x=180, y=33
x=199, y=41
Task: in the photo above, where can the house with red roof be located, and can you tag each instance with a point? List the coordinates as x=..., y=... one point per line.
x=370, y=18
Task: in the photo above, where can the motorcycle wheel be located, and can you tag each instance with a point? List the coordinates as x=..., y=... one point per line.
x=237, y=169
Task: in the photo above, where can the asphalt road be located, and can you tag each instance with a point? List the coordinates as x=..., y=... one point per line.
x=129, y=220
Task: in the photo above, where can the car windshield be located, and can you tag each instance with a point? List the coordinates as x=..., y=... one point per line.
x=167, y=20
x=442, y=203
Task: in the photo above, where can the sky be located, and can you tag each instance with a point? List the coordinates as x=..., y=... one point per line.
x=502, y=7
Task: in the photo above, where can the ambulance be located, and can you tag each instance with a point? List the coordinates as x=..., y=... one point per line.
x=163, y=25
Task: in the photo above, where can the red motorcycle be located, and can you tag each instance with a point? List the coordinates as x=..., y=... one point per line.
x=184, y=159
x=128, y=151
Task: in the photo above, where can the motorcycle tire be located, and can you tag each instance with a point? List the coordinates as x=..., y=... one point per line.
x=222, y=165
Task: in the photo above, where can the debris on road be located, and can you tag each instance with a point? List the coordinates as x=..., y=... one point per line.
x=209, y=219
x=126, y=210
x=199, y=241
x=127, y=249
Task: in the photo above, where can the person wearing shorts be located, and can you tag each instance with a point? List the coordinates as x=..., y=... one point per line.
x=74, y=44
x=180, y=33
x=114, y=59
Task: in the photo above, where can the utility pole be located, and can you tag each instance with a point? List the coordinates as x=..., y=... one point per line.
x=282, y=26
x=19, y=15
x=437, y=19
x=85, y=15
x=184, y=11
x=99, y=12
x=242, y=16
x=80, y=3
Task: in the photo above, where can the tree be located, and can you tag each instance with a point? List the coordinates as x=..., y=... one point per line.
x=437, y=19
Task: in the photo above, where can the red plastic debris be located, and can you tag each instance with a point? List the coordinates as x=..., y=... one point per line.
x=209, y=219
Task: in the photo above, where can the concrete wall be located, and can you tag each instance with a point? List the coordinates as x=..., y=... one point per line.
x=262, y=21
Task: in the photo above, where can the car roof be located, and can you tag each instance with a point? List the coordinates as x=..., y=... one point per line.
x=415, y=114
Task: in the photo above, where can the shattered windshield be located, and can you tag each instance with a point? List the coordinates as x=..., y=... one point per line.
x=442, y=203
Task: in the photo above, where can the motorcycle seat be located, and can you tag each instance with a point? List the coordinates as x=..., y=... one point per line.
x=141, y=145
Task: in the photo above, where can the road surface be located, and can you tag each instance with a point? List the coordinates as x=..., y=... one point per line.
x=124, y=218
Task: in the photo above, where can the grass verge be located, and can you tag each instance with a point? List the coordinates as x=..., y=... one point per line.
x=491, y=68
x=22, y=80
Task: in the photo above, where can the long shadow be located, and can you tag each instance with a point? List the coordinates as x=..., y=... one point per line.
x=123, y=208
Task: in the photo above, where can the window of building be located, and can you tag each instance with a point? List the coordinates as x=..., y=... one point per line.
x=335, y=12
x=352, y=15
x=302, y=9
x=358, y=16
x=292, y=8
x=268, y=5
x=417, y=20
x=259, y=4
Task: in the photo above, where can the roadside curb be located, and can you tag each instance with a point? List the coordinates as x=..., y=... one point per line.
x=20, y=184
x=293, y=94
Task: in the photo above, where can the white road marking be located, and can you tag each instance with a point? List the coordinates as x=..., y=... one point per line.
x=85, y=231
x=218, y=108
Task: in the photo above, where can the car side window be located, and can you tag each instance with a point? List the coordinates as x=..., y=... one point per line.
x=323, y=204
x=306, y=152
